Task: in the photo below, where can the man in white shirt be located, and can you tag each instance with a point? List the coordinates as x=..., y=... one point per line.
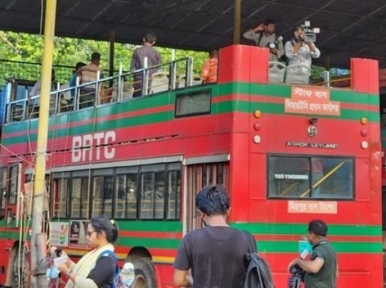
x=300, y=52
x=263, y=35
x=35, y=91
x=36, y=88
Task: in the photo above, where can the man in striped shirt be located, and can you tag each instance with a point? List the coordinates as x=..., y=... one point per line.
x=89, y=74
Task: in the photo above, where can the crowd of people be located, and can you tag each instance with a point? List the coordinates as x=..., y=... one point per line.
x=295, y=51
x=221, y=262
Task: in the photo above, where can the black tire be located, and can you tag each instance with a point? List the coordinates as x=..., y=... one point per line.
x=144, y=274
x=20, y=270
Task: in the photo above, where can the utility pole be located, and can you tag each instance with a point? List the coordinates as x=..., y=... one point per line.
x=237, y=22
x=38, y=245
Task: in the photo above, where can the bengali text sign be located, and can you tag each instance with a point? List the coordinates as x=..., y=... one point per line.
x=317, y=207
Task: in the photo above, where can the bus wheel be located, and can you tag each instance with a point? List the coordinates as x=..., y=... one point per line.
x=144, y=274
x=20, y=271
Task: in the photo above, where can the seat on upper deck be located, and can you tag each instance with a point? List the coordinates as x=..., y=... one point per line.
x=297, y=74
x=127, y=91
x=276, y=71
x=196, y=80
x=159, y=82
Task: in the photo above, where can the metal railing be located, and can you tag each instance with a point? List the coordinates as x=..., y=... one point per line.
x=150, y=80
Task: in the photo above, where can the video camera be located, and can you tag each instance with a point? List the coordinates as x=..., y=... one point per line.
x=297, y=273
x=273, y=45
x=309, y=33
x=297, y=277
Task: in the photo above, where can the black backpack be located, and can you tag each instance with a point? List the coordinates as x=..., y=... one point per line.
x=258, y=272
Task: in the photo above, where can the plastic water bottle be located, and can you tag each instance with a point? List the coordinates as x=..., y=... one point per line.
x=127, y=274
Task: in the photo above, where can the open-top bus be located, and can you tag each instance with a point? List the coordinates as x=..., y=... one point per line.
x=286, y=153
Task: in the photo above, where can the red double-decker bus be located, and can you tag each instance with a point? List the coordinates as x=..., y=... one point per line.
x=286, y=153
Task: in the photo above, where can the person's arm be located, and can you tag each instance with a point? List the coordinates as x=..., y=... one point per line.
x=35, y=89
x=310, y=266
x=315, y=52
x=102, y=272
x=159, y=62
x=280, y=49
x=182, y=265
x=133, y=64
x=205, y=71
x=182, y=279
x=337, y=270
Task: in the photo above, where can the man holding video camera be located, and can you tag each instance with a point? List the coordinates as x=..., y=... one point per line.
x=264, y=36
x=321, y=270
x=301, y=49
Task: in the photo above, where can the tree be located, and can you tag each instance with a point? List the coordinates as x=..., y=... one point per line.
x=27, y=49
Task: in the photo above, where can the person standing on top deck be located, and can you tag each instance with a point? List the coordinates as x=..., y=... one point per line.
x=35, y=91
x=300, y=52
x=138, y=58
x=209, y=69
x=264, y=35
x=88, y=74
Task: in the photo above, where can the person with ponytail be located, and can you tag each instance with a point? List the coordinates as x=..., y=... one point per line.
x=95, y=269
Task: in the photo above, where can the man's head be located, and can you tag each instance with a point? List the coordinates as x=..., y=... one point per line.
x=149, y=38
x=213, y=200
x=317, y=230
x=213, y=53
x=269, y=26
x=299, y=32
x=79, y=65
x=95, y=58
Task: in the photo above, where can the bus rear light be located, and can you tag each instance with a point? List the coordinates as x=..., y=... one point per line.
x=364, y=121
x=256, y=139
x=364, y=132
x=364, y=144
x=257, y=113
x=257, y=126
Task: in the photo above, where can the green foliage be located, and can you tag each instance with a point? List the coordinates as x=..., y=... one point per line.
x=67, y=52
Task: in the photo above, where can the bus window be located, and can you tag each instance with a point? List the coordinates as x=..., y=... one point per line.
x=97, y=196
x=108, y=193
x=79, y=198
x=153, y=195
x=147, y=195
x=125, y=196
x=310, y=177
x=174, y=195
x=3, y=175
x=61, y=198
x=13, y=185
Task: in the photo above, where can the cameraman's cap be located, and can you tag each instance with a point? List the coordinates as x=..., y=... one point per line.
x=269, y=21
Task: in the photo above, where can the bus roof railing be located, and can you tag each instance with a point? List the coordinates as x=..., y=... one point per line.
x=159, y=78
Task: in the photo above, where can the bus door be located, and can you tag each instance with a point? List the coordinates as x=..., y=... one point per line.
x=198, y=176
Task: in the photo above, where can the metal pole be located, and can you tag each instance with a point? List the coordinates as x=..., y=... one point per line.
x=237, y=22
x=111, y=61
x=37, y=247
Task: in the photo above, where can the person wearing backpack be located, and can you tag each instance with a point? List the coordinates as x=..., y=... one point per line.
x=215, y=254
x=98, y=268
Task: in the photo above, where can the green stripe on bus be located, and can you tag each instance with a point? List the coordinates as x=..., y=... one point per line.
x=276, y=108
x=301, y=229
x=263, y=245
x=284, y=91
x=340, y=247
x=155, y=226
